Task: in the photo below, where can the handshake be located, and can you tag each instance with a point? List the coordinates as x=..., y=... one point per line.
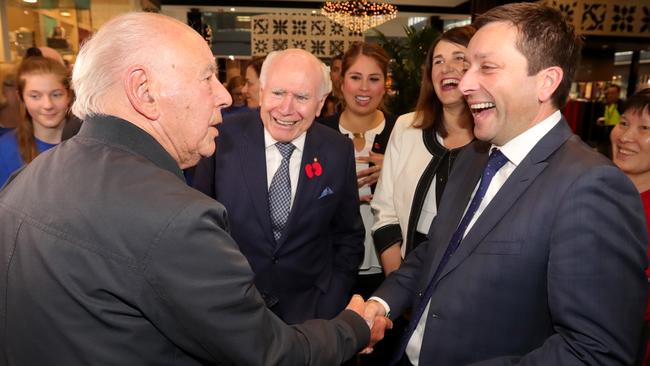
x=375, y=315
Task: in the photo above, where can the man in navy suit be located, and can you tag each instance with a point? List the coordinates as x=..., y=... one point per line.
x=537, y=254
x=295, y=217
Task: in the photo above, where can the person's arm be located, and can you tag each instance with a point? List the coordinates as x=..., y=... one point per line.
x=391, y=258
x=386, y=231
x=199, y=292
x=597, y=288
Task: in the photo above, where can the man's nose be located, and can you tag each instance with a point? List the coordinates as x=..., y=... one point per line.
x=223, y=99
x=468, y=82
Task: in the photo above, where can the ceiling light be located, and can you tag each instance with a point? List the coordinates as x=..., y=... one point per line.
x=359, y=15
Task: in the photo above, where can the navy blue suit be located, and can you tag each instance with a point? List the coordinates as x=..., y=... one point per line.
x=310, y=271
x=551, y=273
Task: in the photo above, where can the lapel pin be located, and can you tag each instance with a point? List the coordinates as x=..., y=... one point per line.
x=313, y=169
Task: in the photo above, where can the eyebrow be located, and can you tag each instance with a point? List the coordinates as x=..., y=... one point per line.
x=453, y=54
x=483, y=55
x=212, y=69
x=360, y=73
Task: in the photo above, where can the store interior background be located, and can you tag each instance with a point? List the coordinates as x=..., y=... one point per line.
x=609, y=56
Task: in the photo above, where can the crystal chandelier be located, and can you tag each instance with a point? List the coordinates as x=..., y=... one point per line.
x=359, y=15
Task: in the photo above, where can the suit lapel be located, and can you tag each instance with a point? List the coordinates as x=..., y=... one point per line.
x=253, y=163
x=520, y=179
x=464, y=177
x=306, y=188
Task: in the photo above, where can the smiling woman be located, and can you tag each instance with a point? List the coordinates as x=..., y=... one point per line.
x=422, y=150
x=631, y=153
x=44, y=88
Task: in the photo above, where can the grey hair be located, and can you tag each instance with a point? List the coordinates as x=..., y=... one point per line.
x=325, y=84
x=102, y=58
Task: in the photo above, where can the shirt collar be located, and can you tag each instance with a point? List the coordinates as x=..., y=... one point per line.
x=298, y=142
x=517, y=148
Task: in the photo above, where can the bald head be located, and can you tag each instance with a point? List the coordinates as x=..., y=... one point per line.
x=298, y=58
x=132, y=38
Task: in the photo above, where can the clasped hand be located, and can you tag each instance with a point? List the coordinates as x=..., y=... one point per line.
x=375, y=316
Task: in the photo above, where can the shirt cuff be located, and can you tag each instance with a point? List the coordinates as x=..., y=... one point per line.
x=383, y=303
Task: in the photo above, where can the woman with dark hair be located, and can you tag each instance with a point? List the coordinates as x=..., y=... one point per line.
x=252, y=87
x=422, y=150
x=44, y=88
x=235, y=87
x=363, y=85
x=630, y=140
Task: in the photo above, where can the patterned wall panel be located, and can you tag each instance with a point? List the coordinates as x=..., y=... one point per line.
x=606, y=17
x=311, y=32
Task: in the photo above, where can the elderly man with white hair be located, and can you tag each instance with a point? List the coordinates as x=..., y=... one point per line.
x=296, y=212
x=118, y=262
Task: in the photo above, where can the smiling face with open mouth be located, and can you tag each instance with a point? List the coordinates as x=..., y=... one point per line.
x=503, y=98
x=363, y=86
x=290, y=99
x=448, y=66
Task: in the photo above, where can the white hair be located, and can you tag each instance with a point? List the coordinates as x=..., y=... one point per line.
x=117, y=44
x=326, y=82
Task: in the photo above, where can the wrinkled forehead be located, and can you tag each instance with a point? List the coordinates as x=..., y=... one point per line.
x=302, y=78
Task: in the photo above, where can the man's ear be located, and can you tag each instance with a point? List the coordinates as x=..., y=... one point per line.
x=320, y=105
x=549, y=80
x=138, y=90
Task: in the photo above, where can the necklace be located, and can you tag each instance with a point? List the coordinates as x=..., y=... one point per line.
x=359, y=140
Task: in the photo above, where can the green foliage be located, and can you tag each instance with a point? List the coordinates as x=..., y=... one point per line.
x=408, y=57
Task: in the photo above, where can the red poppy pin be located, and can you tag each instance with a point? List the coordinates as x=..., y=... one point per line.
x=313, y=169
x=377, y=146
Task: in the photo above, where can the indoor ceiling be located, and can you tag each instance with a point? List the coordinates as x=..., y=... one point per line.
x=449, y=3
x=412, y=6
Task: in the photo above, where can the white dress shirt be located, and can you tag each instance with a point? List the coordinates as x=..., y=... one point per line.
x=274, y=158
x=370, y=264
x=515, y=150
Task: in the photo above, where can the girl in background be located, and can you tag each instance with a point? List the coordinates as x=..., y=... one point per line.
x=44, y=88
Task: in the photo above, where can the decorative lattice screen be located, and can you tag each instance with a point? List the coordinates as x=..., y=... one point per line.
x=311, y=32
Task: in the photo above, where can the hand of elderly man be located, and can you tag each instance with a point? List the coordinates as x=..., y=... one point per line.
x=374, y=314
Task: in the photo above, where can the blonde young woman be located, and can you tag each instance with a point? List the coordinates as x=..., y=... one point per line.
x=421, y=152
x=44, y=88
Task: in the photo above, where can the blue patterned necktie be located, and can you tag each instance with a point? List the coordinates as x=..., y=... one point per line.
x=280, y=191
x=495, y=162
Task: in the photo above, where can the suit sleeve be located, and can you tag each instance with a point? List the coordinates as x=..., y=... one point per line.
x=400, y=288
x=348, y=232
x=200, y=293
x=597, y=289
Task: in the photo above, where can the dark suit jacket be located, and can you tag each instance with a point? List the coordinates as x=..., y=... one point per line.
x=551, y=273
x=118, y=262
x=309, y=273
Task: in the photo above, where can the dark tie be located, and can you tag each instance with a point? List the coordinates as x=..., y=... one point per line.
x=280, y=191
x=495, y=162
